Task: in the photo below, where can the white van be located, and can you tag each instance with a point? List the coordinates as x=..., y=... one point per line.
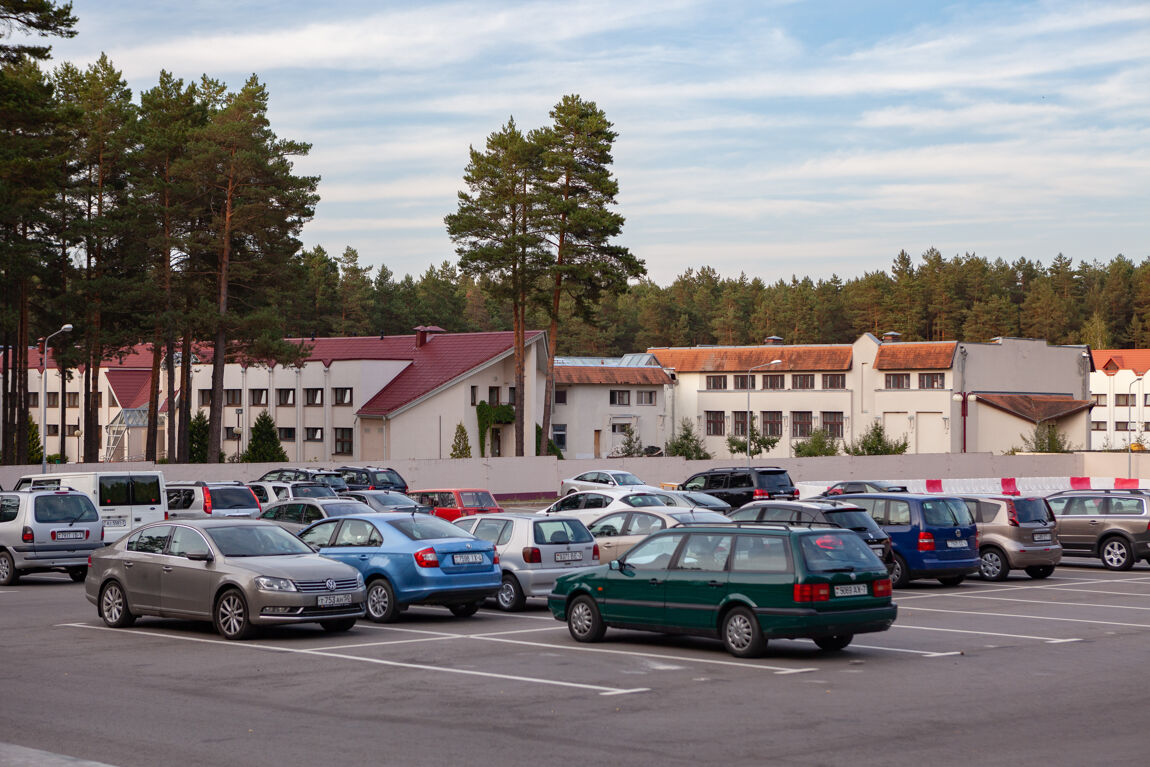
x=125, y=499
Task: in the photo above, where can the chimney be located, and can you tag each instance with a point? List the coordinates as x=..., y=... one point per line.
x=423, y=334
x=891, y=337
x=772, y=341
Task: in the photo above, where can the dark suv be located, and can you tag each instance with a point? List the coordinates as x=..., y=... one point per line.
x=738, y=486
x=372, y=478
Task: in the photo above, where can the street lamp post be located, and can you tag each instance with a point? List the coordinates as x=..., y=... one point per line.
x=1130, y=425
x=239, y=431
x=67, y=328
x=748, y=387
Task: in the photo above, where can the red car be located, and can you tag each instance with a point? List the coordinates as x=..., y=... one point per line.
x=458, y=502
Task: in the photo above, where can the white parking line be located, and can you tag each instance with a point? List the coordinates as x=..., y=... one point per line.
x=377, y=661
x=923, y=653
x=1031, y=617
x=1043, y=602
x=1047, y=640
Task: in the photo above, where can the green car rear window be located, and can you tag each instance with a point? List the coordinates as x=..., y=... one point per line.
x=834, y=551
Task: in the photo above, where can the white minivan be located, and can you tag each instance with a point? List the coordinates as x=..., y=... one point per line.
x=125, y=499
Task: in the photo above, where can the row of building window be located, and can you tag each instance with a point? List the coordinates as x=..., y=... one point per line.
x=1120, y=426
x=493, y=393
x=770, y=422
x=71, y=399
x=831, y=381
x=623, y=397
x=1121, y=400
x=284, y=397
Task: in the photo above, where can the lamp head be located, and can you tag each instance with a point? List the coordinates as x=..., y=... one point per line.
x=66, y=328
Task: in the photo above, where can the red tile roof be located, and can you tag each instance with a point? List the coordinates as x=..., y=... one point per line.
x=130, y=386
x=1036, y=407
x=735, y=359
x=443, y=358
x=915, y=356
x=1110, y=361
x=604, y=374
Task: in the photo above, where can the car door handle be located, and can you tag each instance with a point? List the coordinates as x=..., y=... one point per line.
x=363, y=556
x=129, y=564
x=714, y=584
x=654, y=581
x=167, y=568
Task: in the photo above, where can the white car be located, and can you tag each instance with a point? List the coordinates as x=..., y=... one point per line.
x=592, y=504
x=693, y=500
x=608, y=479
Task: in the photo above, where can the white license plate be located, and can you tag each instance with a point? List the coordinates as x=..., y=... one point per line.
x=467, y=559
x=69, y=535
x=851, y=590
x=568, y=556
x=115, y=522
x=956, y=544
x=1042, y=536
x=332, y=600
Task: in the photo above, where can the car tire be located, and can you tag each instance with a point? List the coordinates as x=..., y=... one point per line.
x=114, y=606
x=8, y=572
x=381, y=606
x=1039, y=572
x=338, y=626
x=741, y=634
x=510, y=597
x=992, y=564
x=835, y=643
x=1116, y=554
x=466, y=610
x=952, y=580
x=584, y=622
x=899, y=575
x=231, y=615
x=77, y=574
x=572, y=492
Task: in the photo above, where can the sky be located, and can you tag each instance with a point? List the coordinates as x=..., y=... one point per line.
x=772, y=139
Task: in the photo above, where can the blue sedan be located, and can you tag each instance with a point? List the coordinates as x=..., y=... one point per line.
x=410, y=559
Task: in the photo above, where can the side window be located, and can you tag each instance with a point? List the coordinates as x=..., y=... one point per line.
x=653, y=553
x=1127, y=506
x=354, y=532
x=259, y=491
x=643, y=524
x=186, y=541
x=746, y=515
x=568, y=503
x=1059, y=505
x=282, y=491
x=760, y=553
x=875, y=509
x=595, y=501
x=612, y=524
x=695, y=483
x=705, y=552
x=311, y=514
x=115, y=491
x=490, y=529
x=898, y=512
x=9, y=508
x=269, y=513
x=777, y=515
x=742, y=479
x=181, y=498
x=505, y=536
x=146, y=489
x=447, y=500
x=716, y=481
x=320, y=535
x=152, y=540
x=292, y=512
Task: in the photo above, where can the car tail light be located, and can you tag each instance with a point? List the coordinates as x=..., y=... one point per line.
x=925, y=542
x=207, y=501
x=26, y=535
x=371, y=487
x=595, y=552
x=812, y=592
x=759, y=493
x=1011, y=514
x=426, y=558
x=495, y=555
x=101, y=532
x=258, y=504
x=882, y=587
x=532, y=555
x=89, y=560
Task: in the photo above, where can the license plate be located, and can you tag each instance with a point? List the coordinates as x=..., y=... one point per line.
x=956, y=544
x=1042, y=536
x=467, y=559
x=69, y=535
x=332, y=600
x=877, y=550
x=568, y=556
x=115, y=522
x=851, y=590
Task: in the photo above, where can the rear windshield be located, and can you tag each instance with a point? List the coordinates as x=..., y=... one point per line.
x=256, y=540
x=422, y=528
x=231, y=498
x=837, y=552
x=852, y=519
x=477, y=498
x=702, y=499
x=700, y=517
x=774, y=480
x=332, y=480
x=562, y=531
x=1031, y=510
x=343, y=509
x=65, y=508
x=623, y=478
x=946, y=512
x=313, y=491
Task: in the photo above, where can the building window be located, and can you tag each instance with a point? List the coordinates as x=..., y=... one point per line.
x=739, y=423
x=1100, y=399
x=619, y=428
x=772, y=423
x=744, y=382
x=205, y=397
x=716, y=421
x=510, y=395
x=231, y=432
x=474, y=396
x=645, y=397
x=1103, y=402
x=33, y=399
x=1097, y=426
x=285, y=397
x=833, y=423
x=313, y=434
x=1124, y=400
x=898, y=380
x=313, y=397
x=53, y=399
x=343, y=440
x=620, y=397
x=341, y=395
x=53, y=430
x=800, y=423
x=559, y=435
x=73, y=429
x=715, y=383
x=493, y=395
x=774, y=381
x=233, y=397
x=560, y=398
x=287, y=434
x=74, y=399
x=834, y=380
x=258, y=397
x=803, y=381
x=931, y=380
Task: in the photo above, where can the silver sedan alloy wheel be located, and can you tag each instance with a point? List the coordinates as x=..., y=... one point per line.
x=5, y=568
x=231, y=613
x=112, y=605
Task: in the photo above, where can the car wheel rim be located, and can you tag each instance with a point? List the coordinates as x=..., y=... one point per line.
x=581, y=619
x=991, y=565
x=5, y=568
x=377, y=601
x=231, y=615
x=1114, y=554
x=506, y=594
x=739, y=632
x=896, y=571
x=113, y=604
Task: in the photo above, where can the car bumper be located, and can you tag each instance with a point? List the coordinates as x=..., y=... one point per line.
x=25, y=557
x=269, y=608
x=806, y=622
x=443, y=589
x=539, y=583
x=1031, y=556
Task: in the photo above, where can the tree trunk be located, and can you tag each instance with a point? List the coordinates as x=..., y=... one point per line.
x=183, y=449
x=216, y=414
x=153, y=396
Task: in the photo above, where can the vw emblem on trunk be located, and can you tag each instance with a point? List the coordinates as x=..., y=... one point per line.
x=330, y=584
x=469, y=546
x=957, y=533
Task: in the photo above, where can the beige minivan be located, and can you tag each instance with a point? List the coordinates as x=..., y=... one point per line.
x=1014, y=532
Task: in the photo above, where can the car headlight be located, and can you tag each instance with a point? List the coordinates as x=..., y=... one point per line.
x=267, y=583
x=359, y=580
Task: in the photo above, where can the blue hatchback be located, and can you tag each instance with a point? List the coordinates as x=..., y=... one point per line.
x=410, y=559
x=932, y=536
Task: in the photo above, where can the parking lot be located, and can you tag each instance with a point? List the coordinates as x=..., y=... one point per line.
x=1020, y=670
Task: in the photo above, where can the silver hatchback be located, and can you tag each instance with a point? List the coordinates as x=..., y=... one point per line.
x=46, y=530
x=533, y=552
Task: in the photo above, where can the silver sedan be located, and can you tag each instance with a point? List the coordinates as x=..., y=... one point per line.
x=239, y=574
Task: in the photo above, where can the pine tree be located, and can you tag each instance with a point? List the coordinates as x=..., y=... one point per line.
x=461, y=447
x=687, y=444
x=198, y=438
x=632, y=446
x=265, y=442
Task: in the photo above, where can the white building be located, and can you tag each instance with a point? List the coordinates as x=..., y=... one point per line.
x=1120, y=389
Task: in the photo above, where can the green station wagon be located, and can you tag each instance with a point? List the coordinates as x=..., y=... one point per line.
x=743, y=583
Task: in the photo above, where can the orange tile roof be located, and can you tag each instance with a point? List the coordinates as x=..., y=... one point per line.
x=915, y=356
x=1036, y=407
x=735, y=359
x=601, y=374
x=1110, y=361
